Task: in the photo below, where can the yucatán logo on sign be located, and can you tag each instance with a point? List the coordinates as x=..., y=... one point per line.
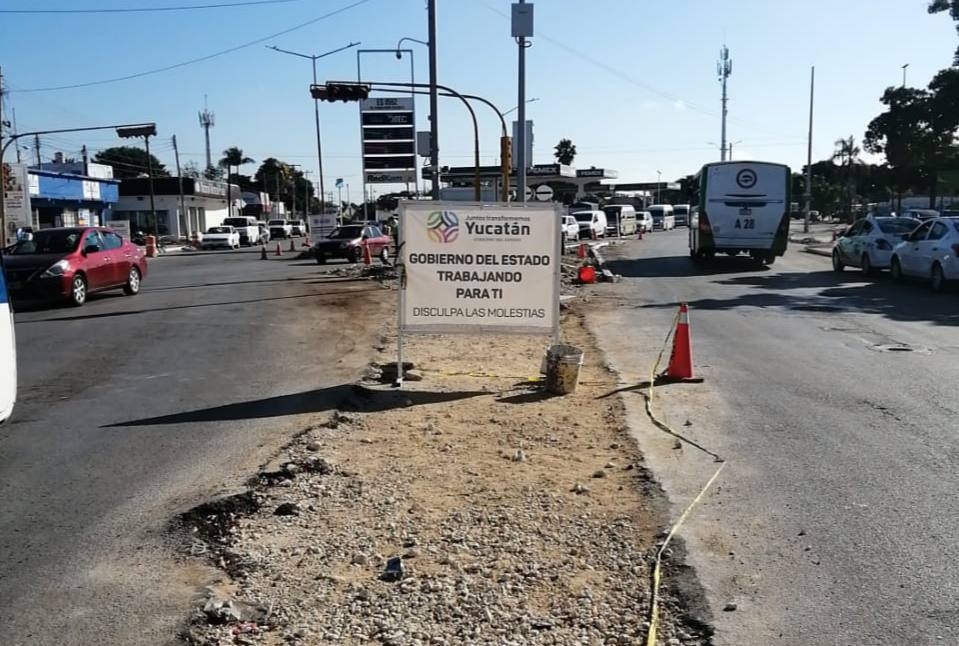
x=746, y=178
x=442, y=226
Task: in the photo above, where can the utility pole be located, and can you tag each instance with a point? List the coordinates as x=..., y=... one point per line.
x=3, y=183
x=434, y=103
x=812, y=86
x=724, y=67
x=659, y=185
x=306, y=196
x=179, y=178
x=36, y=146
x=904, y=75
x=14, y=112
x=522, y=24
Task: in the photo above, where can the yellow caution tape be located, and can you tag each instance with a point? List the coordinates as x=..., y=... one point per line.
x=657, y=569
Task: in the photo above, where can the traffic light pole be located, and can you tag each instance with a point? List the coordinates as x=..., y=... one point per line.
x=506, y=143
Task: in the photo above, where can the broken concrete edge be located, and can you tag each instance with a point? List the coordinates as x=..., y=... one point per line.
x=686, y=597
x=818, y=251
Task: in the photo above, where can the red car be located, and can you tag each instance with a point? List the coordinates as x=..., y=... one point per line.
x=347, y=242
x=70, y=263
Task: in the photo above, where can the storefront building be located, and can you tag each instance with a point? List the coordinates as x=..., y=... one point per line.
x=203, y=205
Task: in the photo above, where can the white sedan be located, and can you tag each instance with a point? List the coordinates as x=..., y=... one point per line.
x=222, y=236
x=868, y=243
x=930, y=252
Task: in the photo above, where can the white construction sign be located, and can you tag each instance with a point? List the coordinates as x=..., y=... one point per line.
x=469, y=268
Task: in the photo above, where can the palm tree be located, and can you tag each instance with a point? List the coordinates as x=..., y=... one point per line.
x=847, y=152
x=232, y=157
x=565, y=151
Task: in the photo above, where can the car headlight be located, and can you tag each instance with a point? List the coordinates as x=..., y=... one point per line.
x=56, y=269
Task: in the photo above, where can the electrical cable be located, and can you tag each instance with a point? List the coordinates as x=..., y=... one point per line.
x=200, y=59
x=246, y=3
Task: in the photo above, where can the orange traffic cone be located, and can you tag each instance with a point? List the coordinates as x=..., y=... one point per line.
x=279, y=251
x=581, y=251
x=367, y=256
x=681, y=360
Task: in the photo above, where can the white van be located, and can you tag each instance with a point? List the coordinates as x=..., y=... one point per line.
x=681, y=212
x=663, y=217
x=620, y=219
x=743, y=207
x=8, y=352
x=592, y=224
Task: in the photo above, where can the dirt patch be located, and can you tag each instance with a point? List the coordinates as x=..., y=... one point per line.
x=467, y=508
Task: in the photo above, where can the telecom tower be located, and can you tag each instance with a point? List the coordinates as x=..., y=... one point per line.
x=207, y=119
x=724, y=67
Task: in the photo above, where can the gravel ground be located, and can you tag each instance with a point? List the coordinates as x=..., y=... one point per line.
x=466, y=508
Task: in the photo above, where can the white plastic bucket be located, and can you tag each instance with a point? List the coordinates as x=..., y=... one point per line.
x=562, y=368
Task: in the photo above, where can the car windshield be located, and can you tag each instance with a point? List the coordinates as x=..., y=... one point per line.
x=277, y=223
x=680, y=210
x=955, y=223
x=897, y=225
x=584, y=216
x=346, y=233
x=49, y=242
x=219, y=230
x=236, y=222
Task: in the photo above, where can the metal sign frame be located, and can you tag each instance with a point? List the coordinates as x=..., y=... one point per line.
x=403, y=329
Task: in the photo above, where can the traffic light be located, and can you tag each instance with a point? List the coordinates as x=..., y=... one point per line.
x=340, y=91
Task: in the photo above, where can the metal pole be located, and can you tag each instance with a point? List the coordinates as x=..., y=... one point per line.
x=153, y=211
x=306, y=196
x=36, y=147
x=434, y=103
x=904, y=74
x=179, y=177
x=521, y=161
x=724, y=68
x=812, y=85
x=319, y=146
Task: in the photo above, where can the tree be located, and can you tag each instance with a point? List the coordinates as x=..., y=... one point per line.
x=917, y=133
x=234, y=158
x=565, y=151
x=191, y=169
x=130, y=161
x=213, y=172
x=952, y=6
x=847, y=152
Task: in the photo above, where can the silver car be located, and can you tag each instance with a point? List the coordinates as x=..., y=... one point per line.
x=868, y=243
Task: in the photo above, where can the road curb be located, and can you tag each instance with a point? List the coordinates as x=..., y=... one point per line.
x=818, y=251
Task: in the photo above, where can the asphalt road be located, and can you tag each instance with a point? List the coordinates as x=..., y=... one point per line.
x=134, y=409
x=833, y=398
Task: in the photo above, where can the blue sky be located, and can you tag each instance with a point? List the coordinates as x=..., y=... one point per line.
x=631, y=82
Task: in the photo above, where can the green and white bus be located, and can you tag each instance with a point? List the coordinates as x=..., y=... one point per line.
x=742, y=207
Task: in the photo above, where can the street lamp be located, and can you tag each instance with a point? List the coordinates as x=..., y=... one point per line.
x=430, y=43
x=399, y=52
x=316, y=107
x=659, y=184
x=515, y=108
x=904, y=74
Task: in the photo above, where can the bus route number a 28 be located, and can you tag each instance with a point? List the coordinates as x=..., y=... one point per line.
x=744, y=221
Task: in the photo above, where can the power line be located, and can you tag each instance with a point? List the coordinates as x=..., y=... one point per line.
x=201, y=58
x=146, y=9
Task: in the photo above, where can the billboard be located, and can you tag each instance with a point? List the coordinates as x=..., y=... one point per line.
x=388, y=140
x=488, y=268
x=16, y=199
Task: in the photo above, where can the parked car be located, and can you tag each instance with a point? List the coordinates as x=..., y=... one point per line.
x=297, y=228
x=280, y=229
x=919, y=214
x=644, y=220
x=868, y=243
x=246, y=227
x=570, y=229
x=222, y=236
x=930, y=252
x=70, y=263
x=347, y=242
x=592, y=224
